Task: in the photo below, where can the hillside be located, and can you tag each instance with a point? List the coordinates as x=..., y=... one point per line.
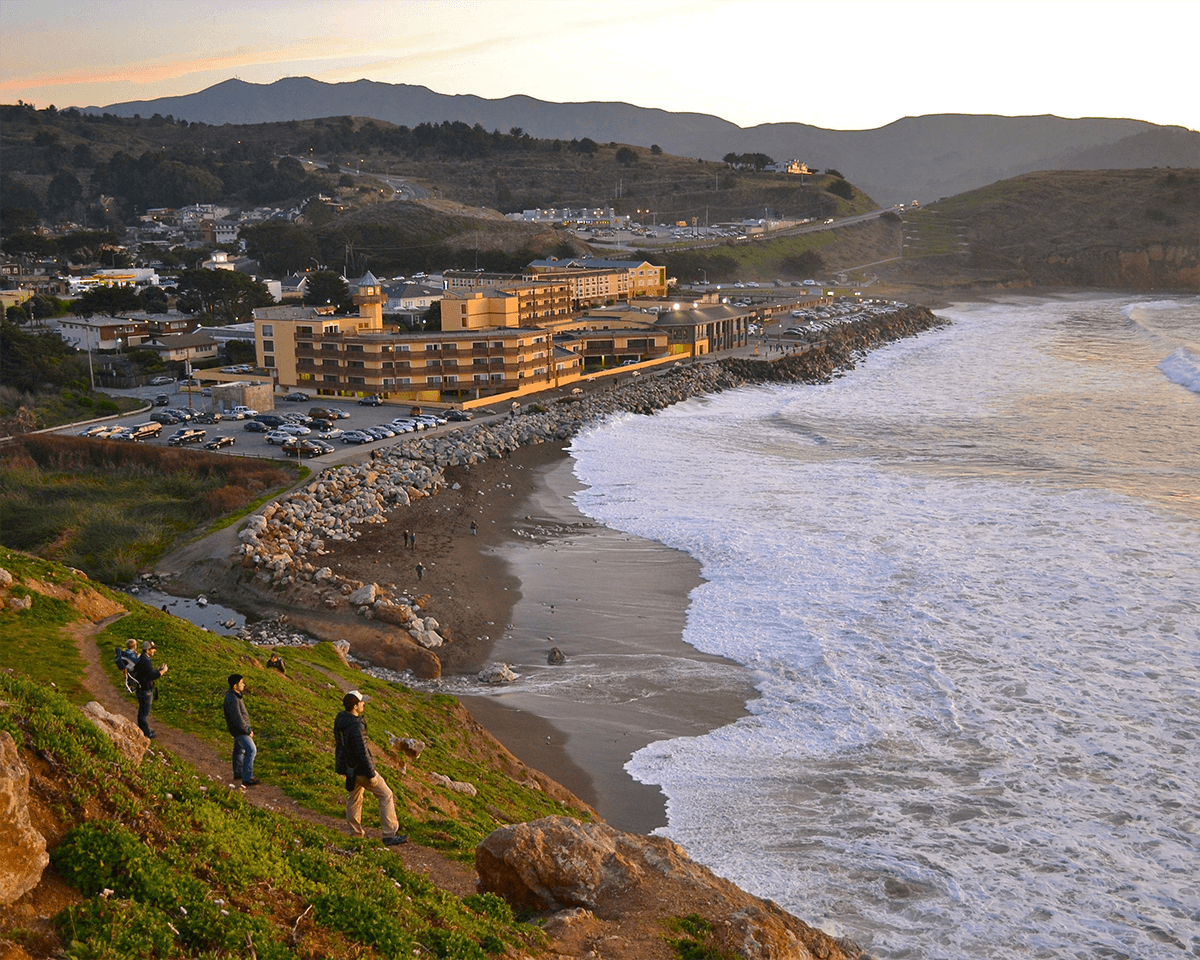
x=914, y=157
x=1120, y=229
x=115, y=846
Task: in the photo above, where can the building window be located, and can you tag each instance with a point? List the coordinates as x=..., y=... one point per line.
x=329, y=379
x=452, y=379
x=403, y=381
x=479, y=376
x=433, y=380
x=268, y=330
x=450, y=363
x=329, y=363
x=497, y=376
x=432, y=347
x=269, y=345
x=268, y=361
x=479, y=362
x=329, y=347
x=354, y=347
x=304, y=345
x=357, y=364
x=356, y=380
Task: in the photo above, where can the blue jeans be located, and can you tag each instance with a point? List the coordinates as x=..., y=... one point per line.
x=244, y=752
x=145, y=700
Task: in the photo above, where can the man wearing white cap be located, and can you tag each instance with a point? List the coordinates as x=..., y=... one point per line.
x=352, y=755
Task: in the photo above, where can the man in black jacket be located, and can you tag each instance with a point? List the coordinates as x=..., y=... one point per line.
x=237, y=719
x=353, y=758
x=146, y=674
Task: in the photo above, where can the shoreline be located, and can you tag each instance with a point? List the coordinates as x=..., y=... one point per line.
x=629, y=679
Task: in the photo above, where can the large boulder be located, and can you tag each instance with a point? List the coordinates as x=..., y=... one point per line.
x=560, y=864
x=23, y=854
x=126, y=736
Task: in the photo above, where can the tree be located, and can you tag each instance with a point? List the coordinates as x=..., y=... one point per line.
x=64, y=192
x=110, y=300
x=327, y=287
x=626, y=157
x=840, y=188
x=224, y=296
x=655, y=149
x=834, y=173
x=281, y=247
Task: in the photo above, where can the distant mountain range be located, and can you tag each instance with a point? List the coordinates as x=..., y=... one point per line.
x=921, y=158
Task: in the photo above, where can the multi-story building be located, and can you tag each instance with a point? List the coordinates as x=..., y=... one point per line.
x=641, y=277
x=345, y=356
x=526, y=303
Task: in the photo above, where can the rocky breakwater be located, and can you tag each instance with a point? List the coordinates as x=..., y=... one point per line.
x=283, y=546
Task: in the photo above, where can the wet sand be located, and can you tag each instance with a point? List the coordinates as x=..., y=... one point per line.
x=615, y=605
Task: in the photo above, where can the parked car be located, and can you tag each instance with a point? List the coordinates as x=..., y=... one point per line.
x=336, y=413
x=356, y=436
x=276, y=436
x=182, y=414
x=185, y=435
x=333, y=433
x=99, y=430
x=381, y=431
x=216, y=443
x=164, y=417
x=270, y=419
x=459, y=416
x=373, y=400
x=323, y=445
x=297, y=397
x=403, y=425
x=293, y=430
x=255, y=426
x=161, y=381
x=144, y=431
x=162, y=400
x=206, y=416
x=239, y=412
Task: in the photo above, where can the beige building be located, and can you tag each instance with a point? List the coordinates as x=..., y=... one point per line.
x=357, y=356
x=629, y=278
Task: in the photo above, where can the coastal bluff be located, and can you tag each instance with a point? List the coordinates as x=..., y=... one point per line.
x=282, y=549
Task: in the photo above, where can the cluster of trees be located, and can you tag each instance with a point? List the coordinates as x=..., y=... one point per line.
x=753, y=161
x=32, y=362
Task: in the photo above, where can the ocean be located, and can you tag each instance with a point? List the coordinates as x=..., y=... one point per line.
x=965, y=578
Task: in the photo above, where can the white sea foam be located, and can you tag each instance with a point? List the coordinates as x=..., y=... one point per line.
x=976, y=636
x=1182, y=367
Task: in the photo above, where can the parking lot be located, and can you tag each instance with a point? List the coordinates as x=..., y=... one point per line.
x=252, y=437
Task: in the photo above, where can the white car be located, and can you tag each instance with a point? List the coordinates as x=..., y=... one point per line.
x=276, y=436
x=293, y=430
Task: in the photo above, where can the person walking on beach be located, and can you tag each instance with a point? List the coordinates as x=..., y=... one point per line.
x=352, y=757
x=474, y=528
x=412, y=540
x=146, y=674
x=406, y=538
x=420, y=571
x=237, y=719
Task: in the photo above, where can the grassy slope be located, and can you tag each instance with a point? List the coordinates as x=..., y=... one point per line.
x=153, y=833
x=112, y=507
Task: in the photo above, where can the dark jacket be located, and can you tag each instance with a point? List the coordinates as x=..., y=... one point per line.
x=145, y=673
x=237, y=719
x=350, y=735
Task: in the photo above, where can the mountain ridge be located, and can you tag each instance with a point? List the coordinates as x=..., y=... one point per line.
x=923, y=157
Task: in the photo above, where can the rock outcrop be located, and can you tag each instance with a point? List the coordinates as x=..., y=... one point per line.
x=126, y=736
x=592, y=877
x=23, y=854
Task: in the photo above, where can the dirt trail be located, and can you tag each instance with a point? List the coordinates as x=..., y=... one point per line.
x=450, y=875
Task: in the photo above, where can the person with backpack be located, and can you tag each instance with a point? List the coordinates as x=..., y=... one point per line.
x=127, y=659
x=237, y=720
x=147, y=674
x=352, y=758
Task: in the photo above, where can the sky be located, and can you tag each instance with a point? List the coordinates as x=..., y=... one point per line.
x=839, y=64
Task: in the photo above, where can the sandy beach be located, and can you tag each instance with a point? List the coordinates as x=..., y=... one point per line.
x=536, y=575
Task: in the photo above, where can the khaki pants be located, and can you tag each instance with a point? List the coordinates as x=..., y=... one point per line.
x=387, y=805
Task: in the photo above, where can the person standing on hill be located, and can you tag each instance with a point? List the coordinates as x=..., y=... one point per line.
x=146, y=674
x=237, y=719
x=275, y=662
x=352, y=757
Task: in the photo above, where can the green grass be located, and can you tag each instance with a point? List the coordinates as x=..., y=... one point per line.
x=36, y=642
x=930, y=234
x=293, y=722
x=171, y=864
x=112, y=508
